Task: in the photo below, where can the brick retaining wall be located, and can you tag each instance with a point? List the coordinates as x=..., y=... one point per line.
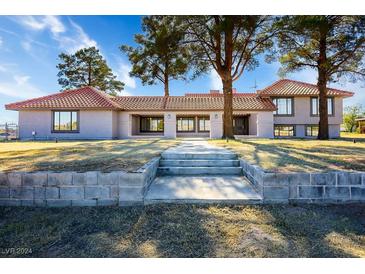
x=91, y=188
x=326, y=187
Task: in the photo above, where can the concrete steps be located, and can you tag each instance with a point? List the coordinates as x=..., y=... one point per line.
x=198, y=156
x=199, y=163
x=198, y=170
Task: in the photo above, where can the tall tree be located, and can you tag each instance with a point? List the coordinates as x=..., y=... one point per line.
x=87, y=67
x=350, y=116
x=334, y=46
x=229, y=45
x=160, y=54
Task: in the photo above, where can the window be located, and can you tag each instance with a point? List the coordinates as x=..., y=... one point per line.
x=284, y=130
x=151, y=124
x=185, y=124
x=65, y=121
x=311, y=131
x=284, y=105
x=315, y=106
x=204, y=124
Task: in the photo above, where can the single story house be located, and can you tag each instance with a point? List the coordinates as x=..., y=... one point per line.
x=361, y=122
x=286, y=108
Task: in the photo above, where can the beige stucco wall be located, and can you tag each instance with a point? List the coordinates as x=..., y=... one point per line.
x=93, y=125
x=302, y=117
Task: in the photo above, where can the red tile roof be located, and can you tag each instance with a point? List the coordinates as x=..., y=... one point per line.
x=91, y=98
x=252, y=102
x=140, y=102
x=82, y=98
x=285, y=87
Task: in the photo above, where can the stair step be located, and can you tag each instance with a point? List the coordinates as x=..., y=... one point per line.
x=164, y=171
x=198, y=156
x=199, y=163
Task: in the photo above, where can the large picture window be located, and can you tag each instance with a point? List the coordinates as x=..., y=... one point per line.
x=151, y=124
x=185, y=124
x=284, y=106
x=315, y=106
x=65, y=121
x=311, y=130
x=203, y=124
x=284, y=131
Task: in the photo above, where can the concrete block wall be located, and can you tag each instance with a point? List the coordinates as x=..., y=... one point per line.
x=326, y=187
x=91, y=188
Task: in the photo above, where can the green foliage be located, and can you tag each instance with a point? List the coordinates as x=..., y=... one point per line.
x=160, y=54
x=332, y=45
x=350, y=116
x=87, y=67
x=300, y=41
x=228, y=44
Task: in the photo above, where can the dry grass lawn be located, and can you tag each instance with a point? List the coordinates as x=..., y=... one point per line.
x=126, y=155
x=299, y=155
x=184, y=231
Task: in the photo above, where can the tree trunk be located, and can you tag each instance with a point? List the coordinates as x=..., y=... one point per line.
x=228, y=109
x=166, y=85
x=89, y=75
x=323, y=108
x=322, y=87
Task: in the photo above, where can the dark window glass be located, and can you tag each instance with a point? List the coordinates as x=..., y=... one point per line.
x=65, y=121
x=283, y=131
x=311, y=131
x=204, y=124
x=284, y=105
x=151, y=124
x=315, y=106
x=185, y=124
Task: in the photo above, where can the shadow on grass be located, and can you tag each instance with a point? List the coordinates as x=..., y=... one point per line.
x=99, y=155
x=186, y=231
x=303, y=159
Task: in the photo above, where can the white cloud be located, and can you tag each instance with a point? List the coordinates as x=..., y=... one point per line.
x=37, y=23
x=26, y=45
x=215, y=80
x=69, y=38
x=21, y=79
x=125, y=92
x=20, y=87
x=76, y=39
x=123, y=75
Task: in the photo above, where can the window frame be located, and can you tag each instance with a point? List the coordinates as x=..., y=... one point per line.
x=285, y=125
x=187, y=117
x=310, y=126
x=292, y=107
x=332, y=106
x=153, y=118
x=205, y=119
x=77, y=130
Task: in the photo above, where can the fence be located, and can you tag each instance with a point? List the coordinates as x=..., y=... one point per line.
x=9, y=131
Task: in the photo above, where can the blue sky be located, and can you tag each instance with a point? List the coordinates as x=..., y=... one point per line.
x=29, y=48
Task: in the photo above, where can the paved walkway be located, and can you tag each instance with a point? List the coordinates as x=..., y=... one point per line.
x=196, y=146
x=203, y=188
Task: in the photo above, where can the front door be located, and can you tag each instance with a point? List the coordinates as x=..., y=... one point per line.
x=240, y=125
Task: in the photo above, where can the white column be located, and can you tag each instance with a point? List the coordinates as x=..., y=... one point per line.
x=216, y=125
x=170, y=125
x=265, y=124
x=125, y=125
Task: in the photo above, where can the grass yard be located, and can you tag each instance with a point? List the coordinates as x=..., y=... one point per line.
x=299, y=155
x=185, y=231
x=80, y=156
